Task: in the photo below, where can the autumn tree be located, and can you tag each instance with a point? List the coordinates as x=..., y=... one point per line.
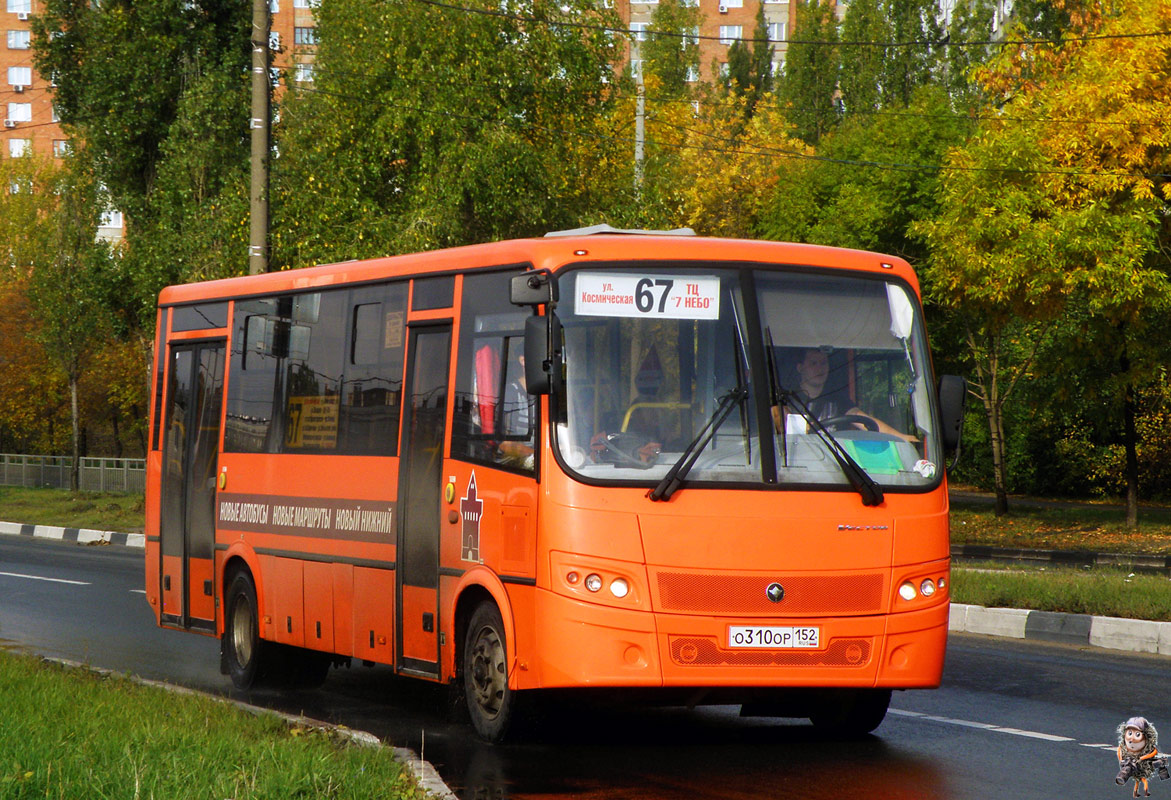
x=1040, y=211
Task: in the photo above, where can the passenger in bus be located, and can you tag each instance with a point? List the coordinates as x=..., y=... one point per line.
x=813, y=373
x=518, y=416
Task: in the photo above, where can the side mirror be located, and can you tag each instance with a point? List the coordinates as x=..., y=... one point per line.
x=953, y=394
x=533, y=288
x=542, y=353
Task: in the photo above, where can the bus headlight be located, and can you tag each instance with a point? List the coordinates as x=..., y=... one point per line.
x=593, y=582
x=927, y=587
x=907, y=591
x=619, y=588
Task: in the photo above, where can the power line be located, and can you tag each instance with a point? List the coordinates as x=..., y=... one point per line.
x=771, y=152
x=944, y=42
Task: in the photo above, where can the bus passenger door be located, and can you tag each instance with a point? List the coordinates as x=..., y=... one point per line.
x=420, y=496
x=190, y=451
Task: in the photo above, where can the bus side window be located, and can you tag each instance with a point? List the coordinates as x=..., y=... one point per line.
x=372, y=387
x=495, y=417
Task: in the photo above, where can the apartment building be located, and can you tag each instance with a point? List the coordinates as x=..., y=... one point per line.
x=26, y=97
x=722, y=23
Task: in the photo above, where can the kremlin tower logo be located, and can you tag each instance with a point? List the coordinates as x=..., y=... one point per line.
x=471, y=509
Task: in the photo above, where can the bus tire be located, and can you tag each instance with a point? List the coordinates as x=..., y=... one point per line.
x=244, y=650
x=490, y=701
x=853, y=713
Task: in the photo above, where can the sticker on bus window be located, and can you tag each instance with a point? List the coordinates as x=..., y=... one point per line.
x=651, y=296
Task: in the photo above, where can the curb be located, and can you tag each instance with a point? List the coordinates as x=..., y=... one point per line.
x=1112, y=633
x=424, y=774
x=1062, y=558
x=77, y=535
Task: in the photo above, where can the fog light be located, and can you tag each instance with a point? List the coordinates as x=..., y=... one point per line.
x=619, y=587
x=594, y=582
x=572, y=578
x=927, y=587
x=907, y=591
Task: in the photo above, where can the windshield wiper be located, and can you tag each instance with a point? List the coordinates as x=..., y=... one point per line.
x=678, y=472
x=858, y=477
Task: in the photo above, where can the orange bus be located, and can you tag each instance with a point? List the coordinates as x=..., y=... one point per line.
x=703, y=470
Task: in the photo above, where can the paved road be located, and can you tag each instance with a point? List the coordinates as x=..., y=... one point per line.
x=1013, y=719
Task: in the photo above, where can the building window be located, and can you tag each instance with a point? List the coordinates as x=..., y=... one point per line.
x=776, y=32
x=693, y=74
x=274, y=6
x=732, y=3
x=729, y=33
x=19, y=147
x=691, y=37
x=20, y=76
x=20, y=6
x=636, y=69
x=274, y=41
x=19, y=40
x=305, y=36
x=60, y=148
x=304, y=73
x=638, y=31
x=306, y=3
x=779, y=66
x=20, y=112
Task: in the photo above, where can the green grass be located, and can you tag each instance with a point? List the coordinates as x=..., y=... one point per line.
x=1108, y=592
x=106, y=511
x=68, y=733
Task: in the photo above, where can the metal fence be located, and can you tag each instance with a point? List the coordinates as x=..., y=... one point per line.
x=96, y=474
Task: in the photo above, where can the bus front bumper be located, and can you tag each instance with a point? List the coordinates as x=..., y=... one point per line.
x=586, y=645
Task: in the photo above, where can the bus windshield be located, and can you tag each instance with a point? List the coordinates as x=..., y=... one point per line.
x=786, y=366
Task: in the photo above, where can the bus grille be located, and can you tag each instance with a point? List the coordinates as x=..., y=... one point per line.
x=699, y=593
x=701, y=651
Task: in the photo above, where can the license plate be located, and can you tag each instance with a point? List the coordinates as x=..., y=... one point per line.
x=774, y=638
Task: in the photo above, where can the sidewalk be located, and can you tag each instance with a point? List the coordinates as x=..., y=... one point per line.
x=1132, y=635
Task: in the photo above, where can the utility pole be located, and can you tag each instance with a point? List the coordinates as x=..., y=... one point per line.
x=639, y=135
x=261, y=114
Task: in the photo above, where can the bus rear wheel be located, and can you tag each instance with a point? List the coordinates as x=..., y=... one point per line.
x=243, y=649
x=490, y=701
x=853, y=712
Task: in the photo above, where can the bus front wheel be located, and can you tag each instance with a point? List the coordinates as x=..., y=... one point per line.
x=490, y=701
x=242, y=645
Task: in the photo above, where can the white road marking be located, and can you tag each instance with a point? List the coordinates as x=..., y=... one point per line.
x=40, y=578
x=138, y=591
x=1048, y=737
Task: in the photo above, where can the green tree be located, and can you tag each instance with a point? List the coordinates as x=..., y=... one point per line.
x=64, y=285
x=863, y=66
x=750, y=69
x=120, y=68
x=909, y=66
x=812, y=66
x=870, y=181
x=428, y=127
x=671, y=51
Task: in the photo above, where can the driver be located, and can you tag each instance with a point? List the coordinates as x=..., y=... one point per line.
x=812, y=374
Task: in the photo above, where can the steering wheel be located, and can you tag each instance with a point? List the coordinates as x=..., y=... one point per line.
x=625, y=449
x=849, y=420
